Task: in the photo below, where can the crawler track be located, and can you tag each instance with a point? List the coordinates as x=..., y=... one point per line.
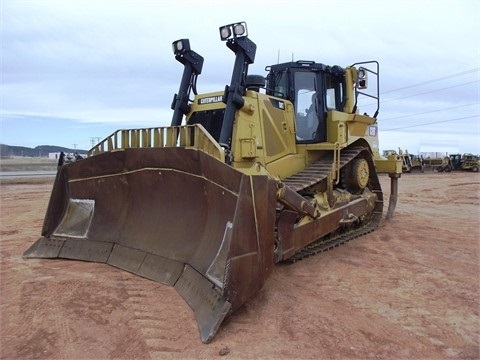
x=318, y=172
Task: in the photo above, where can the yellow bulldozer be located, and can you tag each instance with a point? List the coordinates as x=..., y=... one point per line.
x=410, y=162
x=466, y=161
x=243, y=179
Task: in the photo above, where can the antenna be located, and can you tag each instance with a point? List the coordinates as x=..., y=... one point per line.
x=278, y=56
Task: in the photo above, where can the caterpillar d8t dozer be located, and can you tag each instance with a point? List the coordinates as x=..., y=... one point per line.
x=271, y=169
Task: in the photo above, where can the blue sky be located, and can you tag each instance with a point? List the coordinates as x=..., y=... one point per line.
x=73, y=71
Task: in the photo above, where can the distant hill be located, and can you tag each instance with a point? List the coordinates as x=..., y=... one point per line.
x=39, y=151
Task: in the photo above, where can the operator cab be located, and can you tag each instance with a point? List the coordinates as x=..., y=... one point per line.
x=314, y=89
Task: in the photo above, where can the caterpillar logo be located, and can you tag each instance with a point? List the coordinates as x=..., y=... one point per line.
x=210, y=100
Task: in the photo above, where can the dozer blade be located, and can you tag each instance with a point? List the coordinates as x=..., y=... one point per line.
x=174, y=215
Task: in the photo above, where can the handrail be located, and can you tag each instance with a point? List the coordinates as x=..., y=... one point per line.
x=188, y=136
x=336, y=163
x=377, y=90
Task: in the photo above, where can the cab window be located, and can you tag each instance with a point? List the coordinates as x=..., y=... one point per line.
x=333, y=93
x=306, y=106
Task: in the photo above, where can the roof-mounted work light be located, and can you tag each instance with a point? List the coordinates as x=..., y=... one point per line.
x=362, y=78
x=233, y=30
x=180, y=46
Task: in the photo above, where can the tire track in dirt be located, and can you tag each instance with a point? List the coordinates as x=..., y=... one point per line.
x=154, y=320
x=40, y=318
x=409, y=289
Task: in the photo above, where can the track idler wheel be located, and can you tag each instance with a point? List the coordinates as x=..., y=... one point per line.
x=357, y=175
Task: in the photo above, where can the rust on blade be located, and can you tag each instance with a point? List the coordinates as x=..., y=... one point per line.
x=176, y=216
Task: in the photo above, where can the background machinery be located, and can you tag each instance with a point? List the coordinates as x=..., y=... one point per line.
x=468, y=162
x=410, y=162
x=417, y=162
x=244, y=178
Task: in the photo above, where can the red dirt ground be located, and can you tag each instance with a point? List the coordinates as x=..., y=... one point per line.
x=409, y=290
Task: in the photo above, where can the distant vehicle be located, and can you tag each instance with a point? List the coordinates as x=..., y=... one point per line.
x=417, y=162
x=409, y=161
x=69, y=158
x=468, y=162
